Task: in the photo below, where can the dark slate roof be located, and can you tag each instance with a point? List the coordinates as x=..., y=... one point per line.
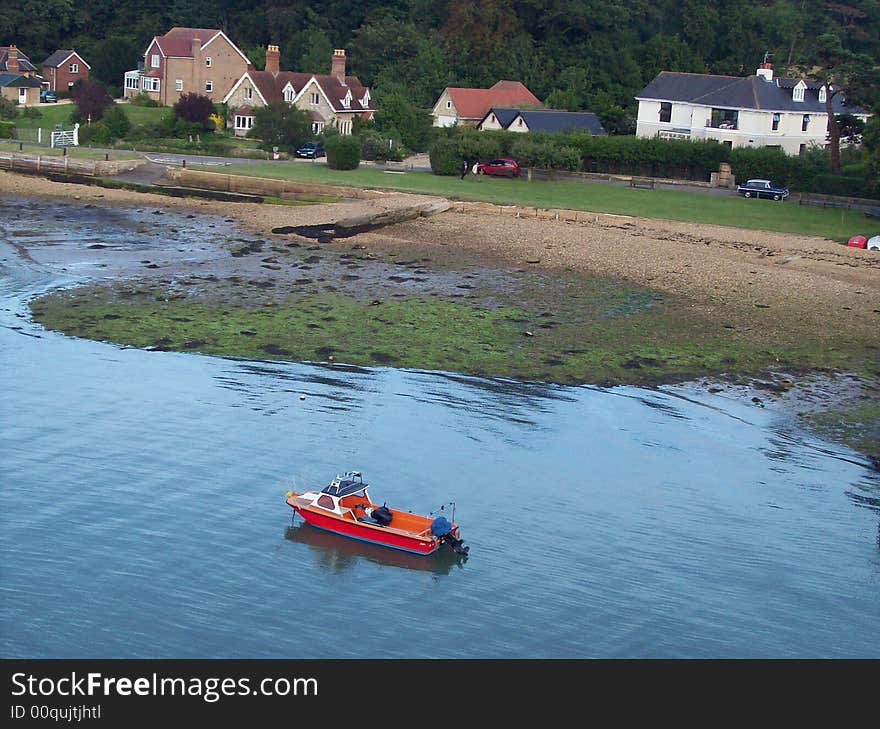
x=24, y=63
x=17, y=80
x=736, y=92
x=550, y=120
x=59, y=57
x=503, y=116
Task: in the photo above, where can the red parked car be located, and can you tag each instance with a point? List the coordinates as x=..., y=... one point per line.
x=503, y=166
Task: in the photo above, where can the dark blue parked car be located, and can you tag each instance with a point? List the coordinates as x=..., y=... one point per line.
x=311, y=150
x=762, y=188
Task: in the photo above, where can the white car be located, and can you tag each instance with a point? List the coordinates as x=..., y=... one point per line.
x=873, y=244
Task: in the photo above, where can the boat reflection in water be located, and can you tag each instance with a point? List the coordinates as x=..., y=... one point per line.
x=336, y=553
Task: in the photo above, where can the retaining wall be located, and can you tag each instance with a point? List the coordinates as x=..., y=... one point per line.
x=16, y=161
x=265, y=186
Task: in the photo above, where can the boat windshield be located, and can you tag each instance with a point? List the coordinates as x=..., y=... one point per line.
x=345, y=485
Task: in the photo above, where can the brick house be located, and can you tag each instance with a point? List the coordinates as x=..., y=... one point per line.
x=187, y=60
x=12, y=60
x=469, y=106
x=333, y=99
x=63, y=69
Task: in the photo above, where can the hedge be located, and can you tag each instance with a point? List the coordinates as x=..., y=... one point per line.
x=7, y=130
x=343, y=152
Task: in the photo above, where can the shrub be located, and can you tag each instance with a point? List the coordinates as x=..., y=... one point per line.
x=91, y=100
x=844, y=186
x=143, y=99
x=117, y=122
x=194, y=108
x=7, y=130
x=31, y=112
x=343, y=152
x=95, y=133
x=445, y=157
x=379, y=148
x=8, y=108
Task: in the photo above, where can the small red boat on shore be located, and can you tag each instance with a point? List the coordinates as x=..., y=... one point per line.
x=344, y=507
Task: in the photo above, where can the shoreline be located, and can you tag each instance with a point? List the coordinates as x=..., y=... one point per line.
x=776, y=289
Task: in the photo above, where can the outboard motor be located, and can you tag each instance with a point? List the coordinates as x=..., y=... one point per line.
x=381, y=515
x=442, y=529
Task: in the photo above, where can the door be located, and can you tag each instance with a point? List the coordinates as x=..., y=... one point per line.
x=22, y=95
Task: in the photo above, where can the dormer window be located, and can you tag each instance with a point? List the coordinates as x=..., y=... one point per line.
x=346, y=102
x=797, y=94
x=823, y=97
x=365, y=102
x=288, y=95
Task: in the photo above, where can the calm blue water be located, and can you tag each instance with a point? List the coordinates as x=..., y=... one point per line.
x=143, y=511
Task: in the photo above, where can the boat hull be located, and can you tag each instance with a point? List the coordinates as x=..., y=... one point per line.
x=368, y=533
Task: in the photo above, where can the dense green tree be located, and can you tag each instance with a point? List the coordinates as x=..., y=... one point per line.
x=398, y=115
x=281, y=125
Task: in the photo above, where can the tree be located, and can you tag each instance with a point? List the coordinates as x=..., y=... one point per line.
x=194, y=108
x=116, y=121
x=396, y=112
x=91, y=100
x=281, y=125
x=843, y=73
x=871, y=142
x=111, y=58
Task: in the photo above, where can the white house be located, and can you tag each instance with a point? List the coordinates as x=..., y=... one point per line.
x=751, y=111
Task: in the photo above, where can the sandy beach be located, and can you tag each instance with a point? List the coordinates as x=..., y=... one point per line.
x=778, y=282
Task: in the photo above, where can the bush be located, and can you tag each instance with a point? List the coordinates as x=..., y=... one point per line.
x=117, y=122
x=343, y=152
x=31, y=112
x=7, y=130
x=379, y=148
x=195, y=109
x=143, y=99
x=844, y=186
x=95, y=133
x=8, y=108
x=445, y=157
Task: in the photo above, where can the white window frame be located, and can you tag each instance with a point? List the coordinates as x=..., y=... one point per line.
x=317, y=127
x=288, y=95
x=73, y=68
x=208, y=61
x=209, y=87
x=22, y=94
x=244, y=122
x=178, y=84
x=154, y=60
x=150, y=83
x=248, y=93
x=797, y=93
x=448, y=104
x=822, y=95
x=132, y=82
x=314, y=99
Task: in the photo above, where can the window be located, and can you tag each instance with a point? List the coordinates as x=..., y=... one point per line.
x=208, y=61
x=178, y=85
x=665, y=111
x=209, y=86
x=317, y=127
x=823, y=97
x=802, y=149
x=313, y=98
x=776, y=122
x=249, y=93
x=344, y=126
x=805, y=123
x=244, y=122
x=798, y=93
x=131, y=82
x=150, y=84
x=448, y=104
x=73, y=68
x=288, y=95
x=154, y=60
x=326, y=502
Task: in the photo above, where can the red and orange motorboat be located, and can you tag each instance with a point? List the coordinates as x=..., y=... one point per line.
x=344, y=507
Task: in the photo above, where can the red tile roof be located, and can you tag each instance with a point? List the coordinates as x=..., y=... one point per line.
x=474, y=103
x=272, y=88
x=178, y=41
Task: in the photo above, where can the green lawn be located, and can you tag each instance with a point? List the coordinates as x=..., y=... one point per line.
x=12, y=145
x=686, y=206
x=52, y=114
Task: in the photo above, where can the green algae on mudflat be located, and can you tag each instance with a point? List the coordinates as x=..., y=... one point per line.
x=609, y=335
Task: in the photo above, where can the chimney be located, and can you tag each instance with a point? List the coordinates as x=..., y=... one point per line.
x=765, y=71
x=337, y=65
x=12, y=60
x=196, y=46
x=273, y=60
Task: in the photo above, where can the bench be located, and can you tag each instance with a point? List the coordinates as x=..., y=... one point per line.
x=643, y=182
